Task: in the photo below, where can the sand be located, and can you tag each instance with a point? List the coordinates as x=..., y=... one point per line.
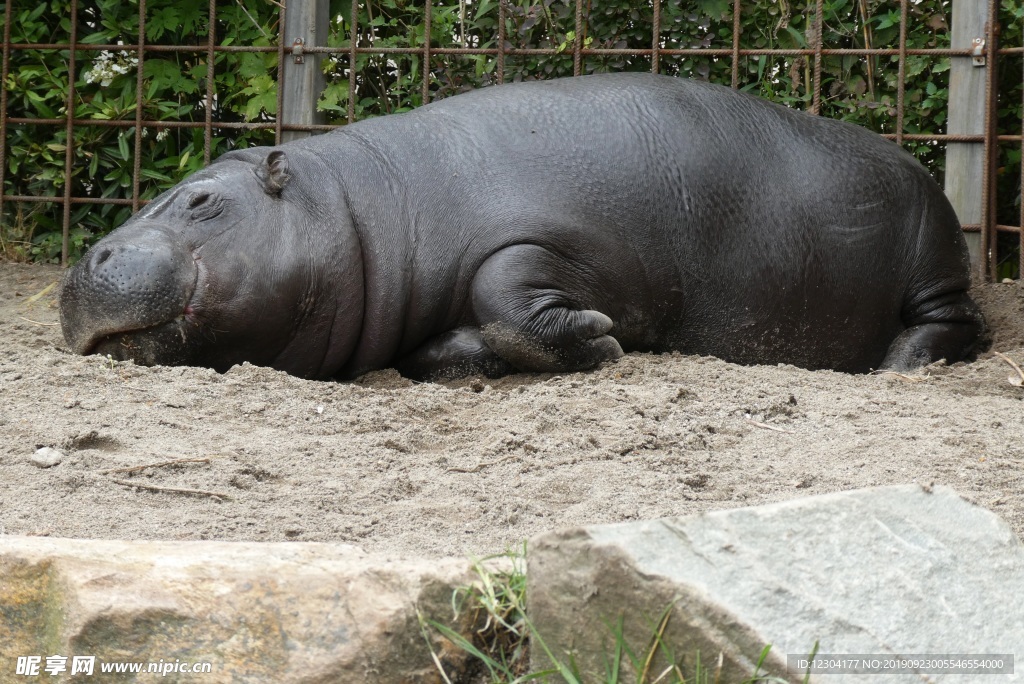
x=475, y=467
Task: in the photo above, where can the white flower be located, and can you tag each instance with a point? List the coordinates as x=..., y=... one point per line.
x=107, y=66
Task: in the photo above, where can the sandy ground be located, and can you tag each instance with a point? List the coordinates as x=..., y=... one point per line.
x=475, y=467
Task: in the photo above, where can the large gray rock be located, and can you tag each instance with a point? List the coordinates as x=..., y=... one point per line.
x=888, y=571
x=284, y=612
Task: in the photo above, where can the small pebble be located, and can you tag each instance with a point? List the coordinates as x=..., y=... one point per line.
x=1007, y=281
x=46, y=457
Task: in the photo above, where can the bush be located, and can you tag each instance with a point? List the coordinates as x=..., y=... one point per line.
x=105, y=82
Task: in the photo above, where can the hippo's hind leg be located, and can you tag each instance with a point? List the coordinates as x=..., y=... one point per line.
x=454, y=354
x=531, y=307
x=949, y=326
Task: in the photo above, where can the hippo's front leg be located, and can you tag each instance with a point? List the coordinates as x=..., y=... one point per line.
x=454, y=354
x=532, y=311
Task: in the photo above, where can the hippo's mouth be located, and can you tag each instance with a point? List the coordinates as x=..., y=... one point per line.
x=163, y=343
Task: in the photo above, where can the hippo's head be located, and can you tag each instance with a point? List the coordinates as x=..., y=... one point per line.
x=251, y=259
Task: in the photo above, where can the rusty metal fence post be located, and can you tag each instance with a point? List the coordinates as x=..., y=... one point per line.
x=69, y=128
x=8, y=16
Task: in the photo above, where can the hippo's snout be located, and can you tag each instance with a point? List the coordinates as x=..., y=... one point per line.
x=121, y=287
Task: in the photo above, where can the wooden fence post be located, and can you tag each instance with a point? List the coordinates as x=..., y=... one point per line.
x=964, y=171
x=306, y=20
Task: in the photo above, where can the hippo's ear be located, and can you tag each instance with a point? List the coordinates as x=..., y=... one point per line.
x=273, y=172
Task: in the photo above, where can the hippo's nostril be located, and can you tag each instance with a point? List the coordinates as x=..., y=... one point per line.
x=101, y=256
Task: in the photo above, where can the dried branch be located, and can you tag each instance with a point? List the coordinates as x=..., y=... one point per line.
x=172, y=490
x=1015, y=367
x=766, y=426
x=134, y=469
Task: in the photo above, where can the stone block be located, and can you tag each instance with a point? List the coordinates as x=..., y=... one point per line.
x=889, y=571
x=273, y=612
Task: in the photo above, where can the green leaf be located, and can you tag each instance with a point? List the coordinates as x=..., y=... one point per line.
x=165, y=74
x=155, y=175
x=716, y=9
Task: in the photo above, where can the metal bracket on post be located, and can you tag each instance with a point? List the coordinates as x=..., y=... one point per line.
x=299, y=44
x=978, y=52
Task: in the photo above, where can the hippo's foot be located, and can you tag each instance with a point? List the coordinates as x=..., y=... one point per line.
x=947, y=327
x=454, y=354
x=530, y=306
x=528, y=352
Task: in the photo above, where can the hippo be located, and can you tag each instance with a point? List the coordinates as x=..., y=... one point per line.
x=546, y=226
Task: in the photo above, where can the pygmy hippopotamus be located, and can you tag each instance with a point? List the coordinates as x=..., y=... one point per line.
x=542, y=226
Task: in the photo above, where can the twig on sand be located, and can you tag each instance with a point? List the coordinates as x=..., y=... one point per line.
x=1015, y=367
x=36, y=322
x=766, y=426
x=908, y=378
x=172, y=490
x=134, y=469
x=39, y=295
x=482, y=464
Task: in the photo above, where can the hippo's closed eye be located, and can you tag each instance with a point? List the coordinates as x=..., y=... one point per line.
x=205, y=205
x=197, y=199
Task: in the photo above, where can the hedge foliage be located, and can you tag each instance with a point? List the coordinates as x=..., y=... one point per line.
x=853, y=88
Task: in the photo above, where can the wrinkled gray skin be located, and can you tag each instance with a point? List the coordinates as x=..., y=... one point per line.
x=543, y=226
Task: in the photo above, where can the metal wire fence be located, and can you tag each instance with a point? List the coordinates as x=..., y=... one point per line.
x=501, y=51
